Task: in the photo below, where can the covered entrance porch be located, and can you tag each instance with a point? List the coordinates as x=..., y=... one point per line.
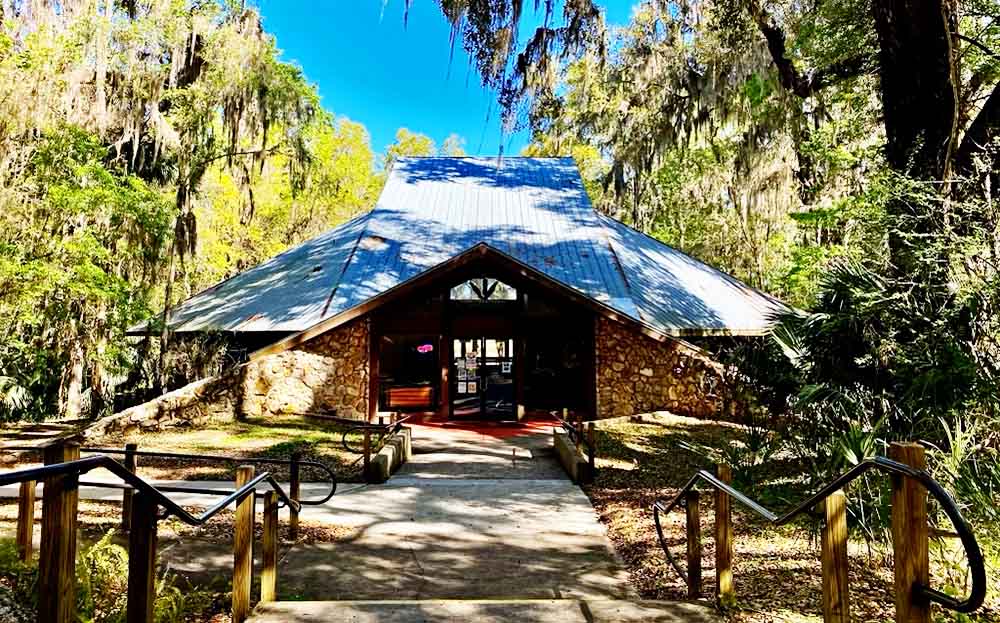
x=488, y=342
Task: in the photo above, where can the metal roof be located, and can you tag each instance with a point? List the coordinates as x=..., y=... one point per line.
x=432, y=209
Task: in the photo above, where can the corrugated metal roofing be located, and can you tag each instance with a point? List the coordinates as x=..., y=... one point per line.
x=432, y=209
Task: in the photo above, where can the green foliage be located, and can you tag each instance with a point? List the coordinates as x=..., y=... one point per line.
x=76, y=265
x=102, y=585
x=409, y=144
x=147, y=150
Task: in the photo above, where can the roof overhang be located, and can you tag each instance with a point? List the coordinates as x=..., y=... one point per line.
x=478, y=253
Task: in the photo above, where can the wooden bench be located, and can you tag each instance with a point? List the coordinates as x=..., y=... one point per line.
x=410, y=397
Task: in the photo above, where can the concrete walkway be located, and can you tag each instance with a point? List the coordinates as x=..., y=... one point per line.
x=473, y=516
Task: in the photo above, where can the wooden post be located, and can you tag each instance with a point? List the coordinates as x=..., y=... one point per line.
x=293, y=492
x=367, y=449
x=909, y=536
x=269, y=574
x=57, y=558
x=130, y=465
x=243, y=547
x=25, y=520
x=691, y=501
x=592, y=455
x=724, y=591
x=142, y=560
x=836, y=598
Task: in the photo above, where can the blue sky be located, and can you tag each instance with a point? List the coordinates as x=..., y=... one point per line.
x=373, y=70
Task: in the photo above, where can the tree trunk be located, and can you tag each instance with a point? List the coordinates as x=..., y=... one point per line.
x=73, y=383
x=917, y=68
x=161, y=367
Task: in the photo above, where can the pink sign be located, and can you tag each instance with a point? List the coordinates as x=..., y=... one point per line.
x=425, y=348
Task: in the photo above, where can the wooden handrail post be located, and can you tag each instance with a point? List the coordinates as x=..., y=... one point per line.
x=243, y=547
x=691, y=500
x=142, y=560
x=269, y=574
x=592, y=455
x=57, y=558
x=367, y=449
x=294, y=487
x=724, y=591
x=130, y=465
x=909, y=536
x=836, y=593
x=25, y=520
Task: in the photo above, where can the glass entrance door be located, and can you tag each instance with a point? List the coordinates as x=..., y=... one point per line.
x=482, y=375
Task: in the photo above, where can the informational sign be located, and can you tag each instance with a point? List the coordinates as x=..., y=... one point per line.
x=462, y=387
x=472, y=387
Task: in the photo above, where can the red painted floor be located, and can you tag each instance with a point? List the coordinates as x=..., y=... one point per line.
x=531, y=424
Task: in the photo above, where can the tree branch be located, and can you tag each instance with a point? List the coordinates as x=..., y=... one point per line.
x=803, y=85
x=983, y=130
x=979, y=45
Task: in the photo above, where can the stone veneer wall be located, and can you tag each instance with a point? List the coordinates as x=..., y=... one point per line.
x=329, y=371
x=637, y=374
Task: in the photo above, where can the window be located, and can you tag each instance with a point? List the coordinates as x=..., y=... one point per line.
x=483, y=290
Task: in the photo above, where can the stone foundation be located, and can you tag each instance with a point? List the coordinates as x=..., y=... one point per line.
x=637, y=374
x=329, y=372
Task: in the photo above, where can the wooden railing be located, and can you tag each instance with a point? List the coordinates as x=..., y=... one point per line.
x=584, y=437
x=147, y=506
x=910, y=487
x=295, y=464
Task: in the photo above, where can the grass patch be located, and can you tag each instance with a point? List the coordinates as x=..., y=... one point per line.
x=776, y=570
x=276, y=437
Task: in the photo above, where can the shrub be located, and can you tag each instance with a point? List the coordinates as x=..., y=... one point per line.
x=102, y=585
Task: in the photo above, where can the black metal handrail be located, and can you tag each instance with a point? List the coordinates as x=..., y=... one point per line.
x=576, y=435
x=85, y=465
x=973, y=553
x=332, y=477
x=384, y=432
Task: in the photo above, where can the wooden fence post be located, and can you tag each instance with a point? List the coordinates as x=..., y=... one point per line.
x=367, y=449
x=691, y=500
x=836, y=593
x=243, y=547
x=130, y=465
x=269, y=574
x=592, y=455
x=57, y=558
x=142, y=560
x=724, y=591
x=293, y=492
x=909, y=536
x=26, y=520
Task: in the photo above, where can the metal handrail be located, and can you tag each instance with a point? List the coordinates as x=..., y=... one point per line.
x=332, y=477
x=85, y=465
x=201, y=457
x=575, y=434
x=387, y=430
x=973, y=553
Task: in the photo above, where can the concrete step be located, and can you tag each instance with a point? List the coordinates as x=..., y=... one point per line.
x=485, y=611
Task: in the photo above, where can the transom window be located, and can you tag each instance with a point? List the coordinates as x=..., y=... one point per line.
x=483, y=290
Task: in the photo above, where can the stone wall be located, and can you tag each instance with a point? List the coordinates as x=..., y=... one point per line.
x=329, y=371
x=637, y=374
